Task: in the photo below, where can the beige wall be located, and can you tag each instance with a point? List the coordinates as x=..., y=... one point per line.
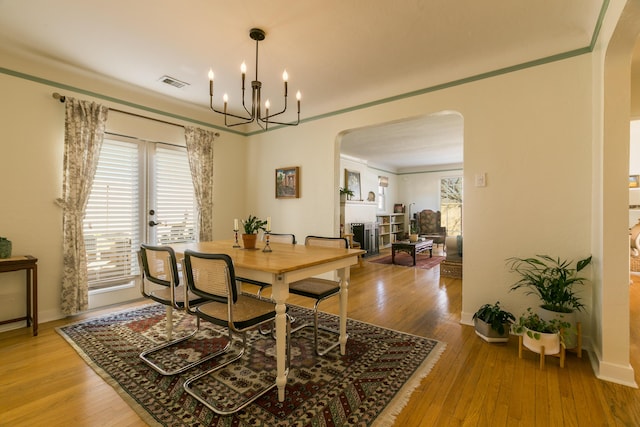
x=31, y=156
x=536, y=133
x=532, y=139
x=532, y=133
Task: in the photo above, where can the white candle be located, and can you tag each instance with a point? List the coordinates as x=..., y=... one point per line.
x=235, y=224
x=268, y=224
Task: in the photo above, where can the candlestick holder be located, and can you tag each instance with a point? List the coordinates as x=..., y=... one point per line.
x=236, y=245
x=267, y=248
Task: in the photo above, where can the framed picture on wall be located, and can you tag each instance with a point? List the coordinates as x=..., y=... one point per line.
x=288, y=183
x=634, y=181
x=352, y=182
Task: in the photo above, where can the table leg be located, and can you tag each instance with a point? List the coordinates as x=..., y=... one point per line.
x=34, y=298
x=393, y=255
x=413, y=254
x=29, y=298
x=345, y=276
x=280, y=292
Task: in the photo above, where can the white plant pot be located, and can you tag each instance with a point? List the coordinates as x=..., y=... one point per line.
x=570, y=336
x=551, y=342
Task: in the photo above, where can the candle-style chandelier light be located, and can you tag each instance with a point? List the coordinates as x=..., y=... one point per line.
x=255, y=112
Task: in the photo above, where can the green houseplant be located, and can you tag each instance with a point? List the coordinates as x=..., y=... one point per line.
x=492, y=323
x=252, y=225
x=413, y=235
x=538, y=333
x=344, y=193
x=551, y=279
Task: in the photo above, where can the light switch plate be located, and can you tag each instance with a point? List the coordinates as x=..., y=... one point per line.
x=481, y=179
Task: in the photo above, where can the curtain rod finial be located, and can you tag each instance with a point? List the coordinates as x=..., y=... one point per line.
x=59, y=97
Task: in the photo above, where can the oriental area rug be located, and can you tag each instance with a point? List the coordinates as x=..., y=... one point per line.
x=403, y=259
x=368, y=386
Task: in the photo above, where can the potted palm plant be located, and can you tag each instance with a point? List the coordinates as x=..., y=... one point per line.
x=252, y=225
x=344, y=193
x=413, y=236
x=552, y=280
x=492, y=323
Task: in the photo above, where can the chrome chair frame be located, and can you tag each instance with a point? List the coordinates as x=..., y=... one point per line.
x=319, y=290
x=220, y=308
x=178, y=298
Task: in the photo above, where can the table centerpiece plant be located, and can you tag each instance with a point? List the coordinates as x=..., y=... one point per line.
x=252, y=225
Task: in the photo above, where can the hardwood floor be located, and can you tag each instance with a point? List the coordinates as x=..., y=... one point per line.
x=43, y=381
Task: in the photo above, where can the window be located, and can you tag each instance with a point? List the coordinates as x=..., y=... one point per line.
x=124, y=194
x=451, y=205
x=174, y=205
x=383, y=183
x=111, y=225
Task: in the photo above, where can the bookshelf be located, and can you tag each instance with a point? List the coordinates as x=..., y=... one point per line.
x=391, y=228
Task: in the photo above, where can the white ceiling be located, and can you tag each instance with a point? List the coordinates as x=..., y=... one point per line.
x=338, y=53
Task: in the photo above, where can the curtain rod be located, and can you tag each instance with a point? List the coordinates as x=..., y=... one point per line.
x=62, y=98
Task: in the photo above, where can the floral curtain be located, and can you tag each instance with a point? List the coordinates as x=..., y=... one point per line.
x=84, y=132
x=200, y=152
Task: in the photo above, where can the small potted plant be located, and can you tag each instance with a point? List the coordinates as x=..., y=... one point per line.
x=537, y=332
x=492, y=323
x=413, y=236
x=553, y=281
x=345, y=193
x=251, y=227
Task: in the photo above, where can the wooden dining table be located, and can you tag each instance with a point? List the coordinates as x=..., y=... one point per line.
x=286, y=263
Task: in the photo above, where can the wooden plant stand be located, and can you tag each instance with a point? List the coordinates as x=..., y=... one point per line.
x=561, y=354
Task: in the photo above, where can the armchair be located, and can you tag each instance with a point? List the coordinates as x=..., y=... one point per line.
x=429, y=226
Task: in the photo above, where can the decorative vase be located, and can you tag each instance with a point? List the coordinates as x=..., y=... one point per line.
x=413, y=237
x=5, y=247
x=249, y=241
x=484, y=331
x=550, y=342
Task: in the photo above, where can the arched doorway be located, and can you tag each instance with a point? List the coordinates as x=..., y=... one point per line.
x=610, y=342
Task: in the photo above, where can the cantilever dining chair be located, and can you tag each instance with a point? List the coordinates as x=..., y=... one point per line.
x=159, y=267
x=319, y=290
x=273, y=238
x=212, y=277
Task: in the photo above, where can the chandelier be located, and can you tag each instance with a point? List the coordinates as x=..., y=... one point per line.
x=255, y=112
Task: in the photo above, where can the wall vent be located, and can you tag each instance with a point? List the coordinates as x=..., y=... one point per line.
x=173, y=82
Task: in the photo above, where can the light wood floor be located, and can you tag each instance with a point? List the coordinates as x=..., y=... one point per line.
x=44, y=382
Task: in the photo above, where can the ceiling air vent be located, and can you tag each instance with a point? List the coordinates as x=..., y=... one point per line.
x=173, y=82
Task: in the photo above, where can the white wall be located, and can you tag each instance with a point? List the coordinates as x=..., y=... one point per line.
x=423, y=187
x=31, y=156
x=530, y=131
x=526, y=139
x=634, y=169
x=553, y=185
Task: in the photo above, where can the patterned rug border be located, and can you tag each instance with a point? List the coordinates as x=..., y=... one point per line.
x=133, y=404
x=386, y=417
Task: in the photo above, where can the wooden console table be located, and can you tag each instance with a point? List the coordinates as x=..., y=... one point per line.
x=28, y=263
